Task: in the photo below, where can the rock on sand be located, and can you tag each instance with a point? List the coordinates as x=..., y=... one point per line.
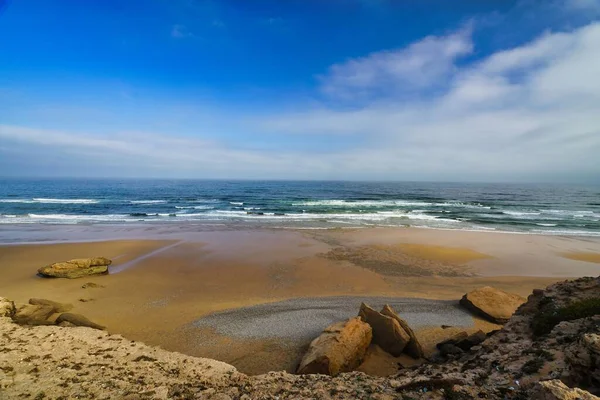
x=413, y=348
x=76, y=268
x=492, y=304
x=387, y=332
x=340, y=348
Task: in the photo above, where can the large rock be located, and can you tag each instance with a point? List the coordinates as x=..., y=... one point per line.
x=58, y=307
x=413, y=348
x=7, y=308
x=76, y=268
x=77, y=320
x=387, y=332
x=492, y=304
x=556, y=390
x=340, y=348
x=29, y=314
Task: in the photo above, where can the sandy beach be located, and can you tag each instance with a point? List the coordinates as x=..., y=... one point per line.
x=167, y=283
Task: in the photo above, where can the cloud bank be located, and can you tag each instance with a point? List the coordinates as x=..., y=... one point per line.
x=427, y=111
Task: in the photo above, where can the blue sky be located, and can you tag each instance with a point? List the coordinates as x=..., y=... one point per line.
x=469, y=90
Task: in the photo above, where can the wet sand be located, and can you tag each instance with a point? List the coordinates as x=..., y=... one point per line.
x=165, y=278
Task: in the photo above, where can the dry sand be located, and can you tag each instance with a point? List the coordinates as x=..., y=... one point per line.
x=160, y=285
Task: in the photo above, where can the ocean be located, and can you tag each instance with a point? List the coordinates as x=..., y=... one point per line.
x=531, y=208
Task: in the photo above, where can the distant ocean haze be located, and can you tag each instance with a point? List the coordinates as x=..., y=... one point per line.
x=543, y=208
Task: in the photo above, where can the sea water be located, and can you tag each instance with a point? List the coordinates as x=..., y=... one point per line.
x=525, y=208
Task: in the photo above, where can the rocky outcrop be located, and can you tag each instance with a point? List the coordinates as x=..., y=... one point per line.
x=340, y=348
x=514, y=363
x=556, y=390
x=387, y=332
x=413, y=348
x=76, y=268
x=584, y=358
x=492, y=304
x=69, y=319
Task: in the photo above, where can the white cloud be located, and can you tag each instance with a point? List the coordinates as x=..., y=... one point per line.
x=420, y=65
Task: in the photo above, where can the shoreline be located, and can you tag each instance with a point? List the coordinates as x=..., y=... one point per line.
x=135, y=230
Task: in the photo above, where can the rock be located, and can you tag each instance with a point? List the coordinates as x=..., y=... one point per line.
x=387, y=332
x=91, y=285
x=58, y=307
x=29, y=314
x=448, y=349
x=78, y=320
x=413, y=348
x=492, y=304
x=472, y=340
x=7, y=308
x=583, y=357
x=340, y=348
x=556, y=390
x=76, y=268
x=453, y=340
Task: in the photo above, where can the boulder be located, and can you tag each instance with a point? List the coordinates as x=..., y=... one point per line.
x=413, y=348
x=58, y=307
x=7, y=308
x=77, y=320
x=492, y=304
x=387, y=332
x=340, y=348
x=29, y=314
x=76, y=268
x=556, y=390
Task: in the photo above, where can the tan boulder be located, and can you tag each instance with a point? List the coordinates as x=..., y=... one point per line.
x=387, y=332
x=58, y=307
x=77, y=320
x=413, y=348
x=7, y=308
x=492, y=304
x=340, y=348
x=556, y=390
x=29, y=314
x=76, y=268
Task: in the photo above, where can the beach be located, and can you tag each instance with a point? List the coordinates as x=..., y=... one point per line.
x=167, y=282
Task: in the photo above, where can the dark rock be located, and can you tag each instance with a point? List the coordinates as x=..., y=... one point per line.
x=453, y=340
x=472, y=340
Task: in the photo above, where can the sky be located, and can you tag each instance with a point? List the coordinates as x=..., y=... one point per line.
x=428, y=90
